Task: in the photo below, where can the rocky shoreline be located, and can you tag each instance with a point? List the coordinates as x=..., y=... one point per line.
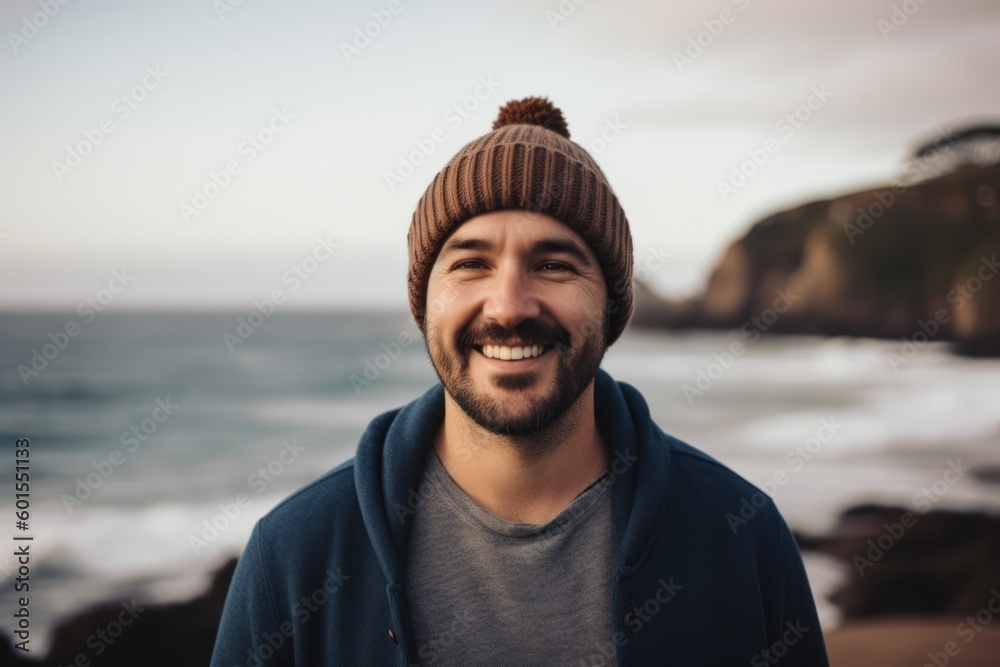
x=921, y=588
x=165, y=635
x=900, y=561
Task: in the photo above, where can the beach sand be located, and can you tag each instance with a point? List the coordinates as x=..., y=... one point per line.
x=912, y=642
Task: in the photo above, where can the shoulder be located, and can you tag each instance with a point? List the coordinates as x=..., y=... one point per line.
x=293, y=546
x=705, y=485
x=730, y=519
x=686, y=478
x=694, y=466
x=331, y=500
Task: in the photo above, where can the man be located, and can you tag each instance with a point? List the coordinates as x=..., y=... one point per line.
x=526, y=510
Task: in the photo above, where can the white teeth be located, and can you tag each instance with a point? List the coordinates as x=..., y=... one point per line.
x=512, y=353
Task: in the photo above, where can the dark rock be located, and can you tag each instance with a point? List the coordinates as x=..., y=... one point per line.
x=158, y=636
x=12, y=656
x=988, y=474
x=941, y=563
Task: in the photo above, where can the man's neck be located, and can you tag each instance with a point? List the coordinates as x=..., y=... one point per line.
x=528, y=479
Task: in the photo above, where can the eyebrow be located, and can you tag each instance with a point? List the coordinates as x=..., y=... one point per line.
x=550, y=245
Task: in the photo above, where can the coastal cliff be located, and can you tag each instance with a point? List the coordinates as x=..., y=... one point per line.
x=913, y=260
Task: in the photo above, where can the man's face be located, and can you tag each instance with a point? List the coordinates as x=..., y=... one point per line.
x=505, y=280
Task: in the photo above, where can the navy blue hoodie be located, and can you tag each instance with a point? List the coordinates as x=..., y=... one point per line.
x=708, y=572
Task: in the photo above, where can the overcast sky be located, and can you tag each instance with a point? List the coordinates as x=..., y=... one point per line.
x=119, y=119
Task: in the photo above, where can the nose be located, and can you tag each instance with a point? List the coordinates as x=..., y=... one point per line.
x=510, y=298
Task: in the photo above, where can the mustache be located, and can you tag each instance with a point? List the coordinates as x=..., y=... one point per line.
x=528, y=332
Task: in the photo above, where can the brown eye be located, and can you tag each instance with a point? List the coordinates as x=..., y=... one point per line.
x=557, y=266
x=466, y=263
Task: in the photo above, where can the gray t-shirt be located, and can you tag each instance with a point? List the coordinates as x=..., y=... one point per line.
x=485, y=591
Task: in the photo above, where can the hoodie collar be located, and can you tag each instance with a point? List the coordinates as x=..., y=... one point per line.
x=391, y=455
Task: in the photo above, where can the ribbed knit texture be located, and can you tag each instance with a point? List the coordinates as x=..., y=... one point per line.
x=530, y=167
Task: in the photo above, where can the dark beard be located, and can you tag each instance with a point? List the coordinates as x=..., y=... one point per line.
x=574, y=372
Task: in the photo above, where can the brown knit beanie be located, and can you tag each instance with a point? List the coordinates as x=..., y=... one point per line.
x=526, y=162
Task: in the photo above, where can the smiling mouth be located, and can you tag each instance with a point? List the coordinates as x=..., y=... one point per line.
x=512, y=353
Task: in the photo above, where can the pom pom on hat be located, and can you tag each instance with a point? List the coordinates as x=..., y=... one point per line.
x=532, y=111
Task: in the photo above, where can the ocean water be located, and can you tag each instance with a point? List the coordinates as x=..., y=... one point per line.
x=821, y=424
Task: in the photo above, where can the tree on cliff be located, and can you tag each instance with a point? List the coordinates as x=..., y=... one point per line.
x=973, y=145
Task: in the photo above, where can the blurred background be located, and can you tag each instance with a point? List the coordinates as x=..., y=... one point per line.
x=203, y=266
